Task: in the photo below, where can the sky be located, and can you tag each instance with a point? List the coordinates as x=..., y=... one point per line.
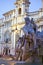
x=7, y=5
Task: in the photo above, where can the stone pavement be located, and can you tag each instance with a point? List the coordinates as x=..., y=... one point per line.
x=6, y=57
x=3, y=62
x=6, y=62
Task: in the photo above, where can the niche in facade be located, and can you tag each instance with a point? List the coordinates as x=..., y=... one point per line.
x=19, y=10
x=7, y=36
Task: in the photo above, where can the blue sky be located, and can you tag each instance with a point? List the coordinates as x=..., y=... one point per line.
x=6, y=5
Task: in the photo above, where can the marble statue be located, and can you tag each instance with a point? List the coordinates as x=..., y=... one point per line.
x=30, y=28
x=27, y=40
x=26, y=48
x=19, y=49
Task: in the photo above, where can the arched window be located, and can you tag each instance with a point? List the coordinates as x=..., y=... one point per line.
x=19, y=10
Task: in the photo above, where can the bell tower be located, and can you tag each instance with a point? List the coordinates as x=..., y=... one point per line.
x=22, y=7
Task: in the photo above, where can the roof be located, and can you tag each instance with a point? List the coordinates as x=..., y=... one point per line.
x=9, y=12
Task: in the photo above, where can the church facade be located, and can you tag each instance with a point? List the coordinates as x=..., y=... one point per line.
x=13, y=21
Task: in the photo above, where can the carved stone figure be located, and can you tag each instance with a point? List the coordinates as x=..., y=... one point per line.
x=26, y=49
x=30, y=27
x=19, y=49
x=28, y=46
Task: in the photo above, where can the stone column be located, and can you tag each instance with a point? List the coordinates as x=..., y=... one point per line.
x=13, y=43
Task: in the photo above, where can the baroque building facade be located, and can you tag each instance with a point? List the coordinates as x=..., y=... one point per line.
x=13, y=21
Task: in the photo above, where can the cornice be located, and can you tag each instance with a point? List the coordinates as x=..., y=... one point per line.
x=40, y=19
x=18, y=24
x=9, y=12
